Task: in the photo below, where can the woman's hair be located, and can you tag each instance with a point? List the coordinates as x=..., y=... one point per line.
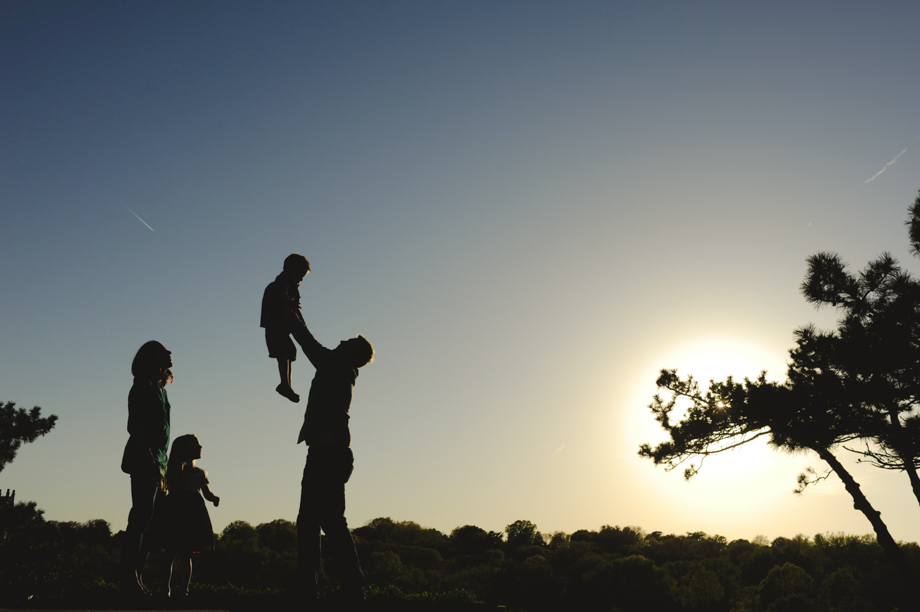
x=181, y=455
x=147, y=363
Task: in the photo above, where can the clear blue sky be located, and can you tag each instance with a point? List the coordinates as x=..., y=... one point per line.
x=528, y=207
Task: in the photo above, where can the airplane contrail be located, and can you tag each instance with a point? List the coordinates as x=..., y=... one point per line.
x=138, y=217
x=556, y=451
x=891, y=163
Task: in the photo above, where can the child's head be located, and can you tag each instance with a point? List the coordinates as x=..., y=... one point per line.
x=296, y=266
x=357, y=351
x=185, y=449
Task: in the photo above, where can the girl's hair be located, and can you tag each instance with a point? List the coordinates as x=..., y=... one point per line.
x=181, y=455
x=146, y=363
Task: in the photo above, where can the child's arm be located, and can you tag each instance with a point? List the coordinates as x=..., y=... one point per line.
x=206, y=491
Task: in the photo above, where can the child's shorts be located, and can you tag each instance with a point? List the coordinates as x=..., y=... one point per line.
x=279, y=343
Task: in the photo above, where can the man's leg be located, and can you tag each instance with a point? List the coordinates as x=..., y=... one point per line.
x=309, y=546
x=337, y=469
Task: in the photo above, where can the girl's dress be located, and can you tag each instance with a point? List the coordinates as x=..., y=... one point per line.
x=186, y=524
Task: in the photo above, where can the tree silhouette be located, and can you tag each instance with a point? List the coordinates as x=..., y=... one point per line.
x=75, y=565
x=730, y=414
x=18, y=426
x=522, y=533
x=859, y=383
x=473, y=540
x=871, y=362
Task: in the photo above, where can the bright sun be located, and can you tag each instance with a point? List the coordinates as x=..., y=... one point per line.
x=704, y=359
x=719, y=359
x=738, y=481
x=737, y=491
x=713, y=359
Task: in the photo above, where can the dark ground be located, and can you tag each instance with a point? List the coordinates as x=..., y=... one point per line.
x=217, y=603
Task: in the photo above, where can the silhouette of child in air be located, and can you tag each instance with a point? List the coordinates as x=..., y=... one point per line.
x=186, y=524
x=280, y=301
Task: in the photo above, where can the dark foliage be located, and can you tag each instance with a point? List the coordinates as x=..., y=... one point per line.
x=611, y=569
x=18, y=426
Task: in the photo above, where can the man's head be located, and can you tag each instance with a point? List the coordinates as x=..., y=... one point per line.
x=357, y=351
x=296, y=266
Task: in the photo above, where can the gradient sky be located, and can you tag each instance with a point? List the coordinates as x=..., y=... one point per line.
x=528, y=207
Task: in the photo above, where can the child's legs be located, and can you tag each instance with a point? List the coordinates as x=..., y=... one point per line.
x=180, y=574
x=284, y=370
x=187, y=571
x=281, y=347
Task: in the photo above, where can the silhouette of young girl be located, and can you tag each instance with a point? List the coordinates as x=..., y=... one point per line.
x=186, y=524
x=145, y=456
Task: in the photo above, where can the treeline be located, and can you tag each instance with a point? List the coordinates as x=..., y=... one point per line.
x=611, y=569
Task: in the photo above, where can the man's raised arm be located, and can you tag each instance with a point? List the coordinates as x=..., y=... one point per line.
x=315, y=352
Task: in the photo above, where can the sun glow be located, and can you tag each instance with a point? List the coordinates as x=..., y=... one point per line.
x=744, y=482
x=718, y=359
x=705, y=360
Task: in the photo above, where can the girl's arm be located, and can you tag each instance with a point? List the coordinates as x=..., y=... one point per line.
x=206, y=491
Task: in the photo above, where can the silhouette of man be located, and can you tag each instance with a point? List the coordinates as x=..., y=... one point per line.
x=329, y=460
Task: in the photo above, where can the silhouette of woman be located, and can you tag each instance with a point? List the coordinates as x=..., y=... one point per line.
x=145, y=455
